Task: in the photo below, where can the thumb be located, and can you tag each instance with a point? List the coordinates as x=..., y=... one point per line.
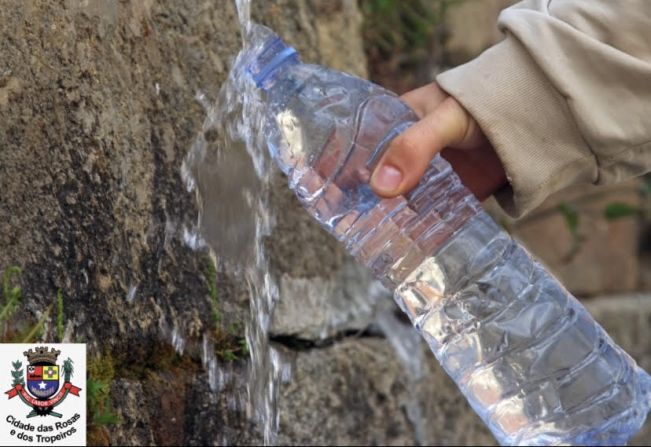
x=409, y=154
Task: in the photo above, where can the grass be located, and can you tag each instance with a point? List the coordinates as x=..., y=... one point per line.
x=34, y=333
x=98, y=407
x=101, y=373
x=572, y=219
x=11, y=298
x=12, y=295
x=210, y=276
x=404, y=26
x=230, y=345
x=403, y=40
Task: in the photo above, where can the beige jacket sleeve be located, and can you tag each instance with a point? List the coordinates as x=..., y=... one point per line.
x=565, y=98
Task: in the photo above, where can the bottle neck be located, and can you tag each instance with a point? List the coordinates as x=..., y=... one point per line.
x=275, y=56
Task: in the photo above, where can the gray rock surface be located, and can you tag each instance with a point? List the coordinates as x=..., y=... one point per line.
x=97, y=111
x=135, y=429
x=357, y=392
x=351, y=304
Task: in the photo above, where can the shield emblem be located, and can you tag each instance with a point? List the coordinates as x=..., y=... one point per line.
x=43, y=380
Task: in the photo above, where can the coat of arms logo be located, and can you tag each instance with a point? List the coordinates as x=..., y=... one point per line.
x=39, y=385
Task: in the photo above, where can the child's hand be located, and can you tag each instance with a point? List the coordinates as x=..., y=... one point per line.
x=444, y=123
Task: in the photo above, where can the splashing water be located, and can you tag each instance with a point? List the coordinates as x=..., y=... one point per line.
x=229, y=170
x=244, y=15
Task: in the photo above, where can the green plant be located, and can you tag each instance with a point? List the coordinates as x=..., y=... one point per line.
x=229, y=344
x=583, y=207
x=34, y=333
x=403, y=40
x=407, y=27
x=11, y=298
x=612, y=211
x=572, y=219
x=210, y=275
x=619, y=210
x=98, y=397
x=99, y=414
x=101, y=372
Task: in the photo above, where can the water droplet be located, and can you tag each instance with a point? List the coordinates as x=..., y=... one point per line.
x=131, y=295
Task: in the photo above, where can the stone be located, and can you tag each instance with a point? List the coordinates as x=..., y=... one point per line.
x=93, y=132
x=356, y=392
x=318, y=308
x=604, y=257
x=135, y=426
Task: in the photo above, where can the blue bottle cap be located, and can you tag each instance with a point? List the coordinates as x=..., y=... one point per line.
x=274, y=53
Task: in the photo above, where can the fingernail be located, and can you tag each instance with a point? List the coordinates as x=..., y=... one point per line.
x=387, y=179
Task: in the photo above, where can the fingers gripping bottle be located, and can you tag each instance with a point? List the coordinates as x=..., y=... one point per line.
x=526, y=354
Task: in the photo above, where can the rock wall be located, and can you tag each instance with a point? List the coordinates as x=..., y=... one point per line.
x=97, y=111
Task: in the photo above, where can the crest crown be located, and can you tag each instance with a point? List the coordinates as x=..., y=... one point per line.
x=42, y=354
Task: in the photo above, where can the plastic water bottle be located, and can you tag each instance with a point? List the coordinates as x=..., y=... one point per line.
x=526, y=354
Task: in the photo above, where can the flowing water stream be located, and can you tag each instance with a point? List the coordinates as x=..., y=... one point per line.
x=230, y=173
x=229, y=170
x=435, y=246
